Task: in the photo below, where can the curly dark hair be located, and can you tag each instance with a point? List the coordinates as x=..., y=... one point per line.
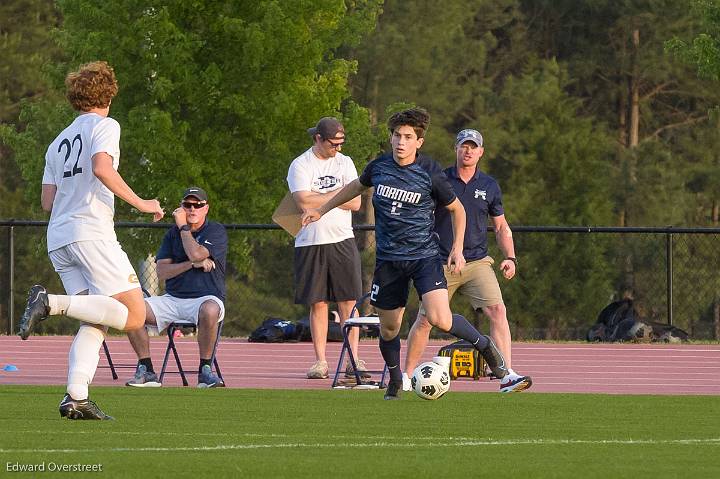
x=417, y=118
x=93, y=85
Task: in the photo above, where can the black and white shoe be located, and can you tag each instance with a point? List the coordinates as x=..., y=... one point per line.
x=84, y=409
x=494, y=359
x=513, y=383
x=37, y=310
x=393, y=390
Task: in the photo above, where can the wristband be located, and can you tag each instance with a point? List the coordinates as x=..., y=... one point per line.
x=185, y=228
x=513, y=259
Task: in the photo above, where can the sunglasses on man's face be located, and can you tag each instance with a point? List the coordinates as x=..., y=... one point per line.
x=188, y=205
x=336, y=145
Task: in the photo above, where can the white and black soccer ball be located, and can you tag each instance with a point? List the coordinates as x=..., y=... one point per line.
x=430, y=381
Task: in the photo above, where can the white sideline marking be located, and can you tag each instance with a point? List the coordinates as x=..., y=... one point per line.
x=470, y=443
x=145, y=433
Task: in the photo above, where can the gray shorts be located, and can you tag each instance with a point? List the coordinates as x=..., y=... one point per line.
x=327, y=272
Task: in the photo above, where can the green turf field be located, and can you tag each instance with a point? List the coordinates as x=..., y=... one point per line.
x=176, y=432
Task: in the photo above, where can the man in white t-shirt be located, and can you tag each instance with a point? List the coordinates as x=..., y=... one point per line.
x=79, y=186
x=327, y=262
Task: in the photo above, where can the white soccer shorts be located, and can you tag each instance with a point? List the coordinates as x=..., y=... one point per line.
x=101, y=267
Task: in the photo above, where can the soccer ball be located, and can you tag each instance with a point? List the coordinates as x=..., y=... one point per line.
x=430, y=381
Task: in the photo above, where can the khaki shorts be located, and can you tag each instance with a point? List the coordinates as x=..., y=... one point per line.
x=477, y=281
x=101, y=267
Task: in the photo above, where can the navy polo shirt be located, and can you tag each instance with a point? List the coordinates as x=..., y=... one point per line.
x=481, y=197
x=404, y=200
x=195, y=282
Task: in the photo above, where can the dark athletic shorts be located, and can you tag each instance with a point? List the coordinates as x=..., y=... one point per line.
x=391, y=281
x=327, y=272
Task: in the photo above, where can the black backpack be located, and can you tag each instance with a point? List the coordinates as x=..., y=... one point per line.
x=274, y=330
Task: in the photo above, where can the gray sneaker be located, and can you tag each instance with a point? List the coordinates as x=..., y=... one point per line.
x=144, y=378
x=361, y=369
x=207, y=379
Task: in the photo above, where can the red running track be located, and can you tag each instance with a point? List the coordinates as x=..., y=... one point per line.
x=559, y=368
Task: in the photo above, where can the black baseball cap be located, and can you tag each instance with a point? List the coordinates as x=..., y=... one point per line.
x=197, y=192
x=328, y=127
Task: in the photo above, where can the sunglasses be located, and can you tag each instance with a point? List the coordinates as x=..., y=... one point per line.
x=336, y=145
x=188, y=205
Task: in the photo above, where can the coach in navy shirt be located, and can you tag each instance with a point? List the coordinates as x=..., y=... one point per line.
x=409, y=188
x=482, y=199
x=191, y=260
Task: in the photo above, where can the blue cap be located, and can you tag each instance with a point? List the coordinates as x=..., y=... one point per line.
x=469, y=135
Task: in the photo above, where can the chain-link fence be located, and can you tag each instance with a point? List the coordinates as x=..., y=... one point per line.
x=564, y=279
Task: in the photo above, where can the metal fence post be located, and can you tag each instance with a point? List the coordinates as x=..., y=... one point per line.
x=11, y=279
x=669, y=272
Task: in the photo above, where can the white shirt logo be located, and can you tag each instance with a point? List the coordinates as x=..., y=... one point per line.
x=482, y=193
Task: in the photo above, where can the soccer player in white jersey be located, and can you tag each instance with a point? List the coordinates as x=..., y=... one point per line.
x=78, y=189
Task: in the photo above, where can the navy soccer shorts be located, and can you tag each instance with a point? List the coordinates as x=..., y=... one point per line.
x=391, y=281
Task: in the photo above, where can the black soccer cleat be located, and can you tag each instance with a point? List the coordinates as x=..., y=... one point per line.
x=494, y=359
x=393, y=390
x=84, y=409
x=37, y=310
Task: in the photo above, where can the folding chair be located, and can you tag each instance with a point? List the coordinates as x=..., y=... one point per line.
x=175, y=326
x=366, y=323
x=112, y=366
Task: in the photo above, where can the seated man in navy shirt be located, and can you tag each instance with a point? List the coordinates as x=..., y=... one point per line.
x=191, y=260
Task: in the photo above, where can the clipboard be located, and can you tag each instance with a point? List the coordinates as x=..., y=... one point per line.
x=288, y=215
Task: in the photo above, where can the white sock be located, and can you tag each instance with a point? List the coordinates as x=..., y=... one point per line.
x=94, y=309
x=58, y=303
x=83, y=360
x=407, y=384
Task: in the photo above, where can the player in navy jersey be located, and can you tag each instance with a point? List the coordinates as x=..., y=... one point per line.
x=408, y=188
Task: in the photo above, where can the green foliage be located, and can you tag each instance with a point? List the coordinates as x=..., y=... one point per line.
x=552, y=163
x=25, y=45
x=703, y=51
x=212, y=93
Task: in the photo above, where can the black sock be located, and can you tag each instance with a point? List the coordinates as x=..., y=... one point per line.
x=147, y=362
x=204, y=362
x=390, y=351
x=462, y=329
